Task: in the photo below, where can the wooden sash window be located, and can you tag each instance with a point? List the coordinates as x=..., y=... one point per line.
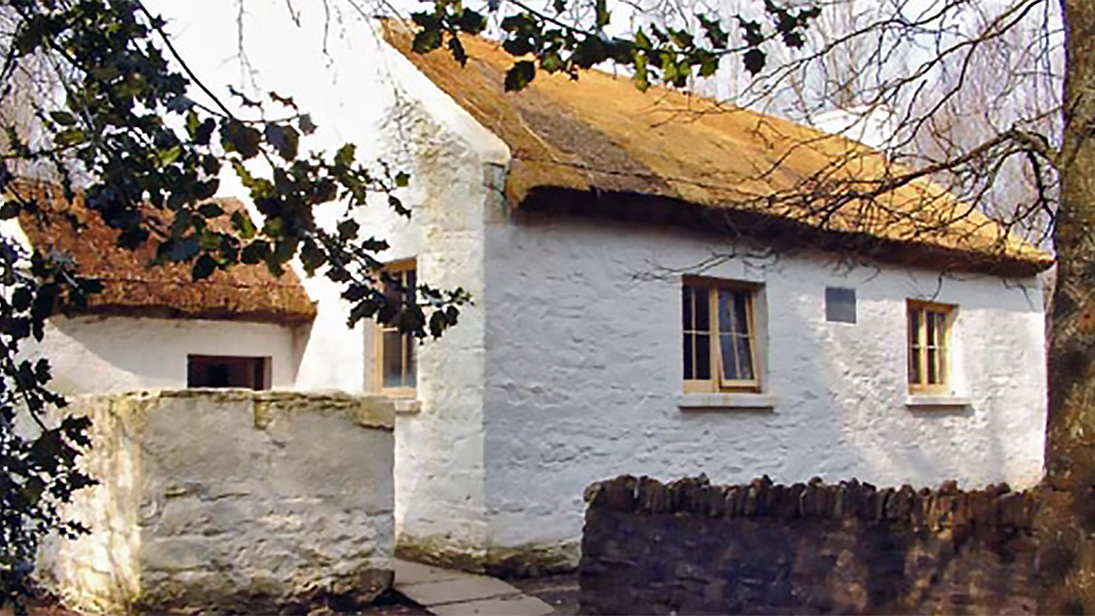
x=720, y=340
x=929, y=330
x=395, y=351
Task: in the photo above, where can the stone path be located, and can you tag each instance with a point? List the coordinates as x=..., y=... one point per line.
x=446, y=592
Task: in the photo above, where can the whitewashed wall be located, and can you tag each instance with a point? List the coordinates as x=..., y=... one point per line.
x=584, y=373
x=228, y=501
x=456, y=170
x=112, y=354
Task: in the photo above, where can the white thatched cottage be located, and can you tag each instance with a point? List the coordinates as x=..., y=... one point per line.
x=621, y=324
x=576, y=214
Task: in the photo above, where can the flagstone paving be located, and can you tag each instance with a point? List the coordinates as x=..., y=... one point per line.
x=446, y=592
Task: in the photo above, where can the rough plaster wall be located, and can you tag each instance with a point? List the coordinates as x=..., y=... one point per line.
x=584, y=371
x=347, y=80
x=453, y=164
x=229, y=500
x=110, y=354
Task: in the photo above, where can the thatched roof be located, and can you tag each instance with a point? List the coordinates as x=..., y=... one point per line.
x=600, y=135
x=244, y=293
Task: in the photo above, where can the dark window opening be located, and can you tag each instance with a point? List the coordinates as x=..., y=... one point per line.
x=227, y=371
x=839, y=305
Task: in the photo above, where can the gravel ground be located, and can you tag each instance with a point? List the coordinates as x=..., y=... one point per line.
x=558, y=591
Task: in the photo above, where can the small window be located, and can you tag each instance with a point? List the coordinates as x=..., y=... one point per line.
x=839, y=305
x=227, y=371
x=720, y=341
x=395, y=350
x=929, y=330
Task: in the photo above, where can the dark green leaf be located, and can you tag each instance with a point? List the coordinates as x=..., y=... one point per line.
x=204, y=132
x=10, y=209
x=203, y=267
x=241, y=222
x=241, y=138
x=345, y=154
x=754, y=60
x=255, y=252
x=284, y=138
x=519, y=75
x=306, y=125
x=312, y=258
x=426, y=41
x=551, y=62
x=63, y=118
x=210, y=210
x=69, y=137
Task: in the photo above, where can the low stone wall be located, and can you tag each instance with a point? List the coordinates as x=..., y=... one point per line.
x=694, y=548
x=229, y=500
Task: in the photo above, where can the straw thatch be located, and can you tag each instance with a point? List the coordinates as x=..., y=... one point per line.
x=132, y=288
x=600, y=135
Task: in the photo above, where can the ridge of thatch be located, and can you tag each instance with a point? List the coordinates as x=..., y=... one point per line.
x=132, y=288
x=600, y=135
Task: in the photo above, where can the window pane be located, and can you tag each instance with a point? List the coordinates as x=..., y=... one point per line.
x=686, y=308
x=726, y=316
x=933, y=372
x=745, y=359
x=933, y=332
x=731, y=371
x=703, y=312
x=703, y=357
x=409, y=373
x=940, y=328
x=729, y=362
x=741, y=313
x=393, y=365
x=688, y=367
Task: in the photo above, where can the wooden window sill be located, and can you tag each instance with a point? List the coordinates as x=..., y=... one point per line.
x=927, y=400
x=727, y=401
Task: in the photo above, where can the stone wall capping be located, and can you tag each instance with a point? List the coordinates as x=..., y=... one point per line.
x=688, y=546
x=941, y=508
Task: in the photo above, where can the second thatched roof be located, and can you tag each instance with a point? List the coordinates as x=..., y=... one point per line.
x=132, y=288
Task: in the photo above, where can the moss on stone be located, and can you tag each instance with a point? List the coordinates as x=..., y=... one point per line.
x=530, y=560
x=441, y=552
x=533, y=560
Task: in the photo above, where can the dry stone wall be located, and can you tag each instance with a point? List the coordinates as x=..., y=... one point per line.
x=695, y=548
x=230, y=500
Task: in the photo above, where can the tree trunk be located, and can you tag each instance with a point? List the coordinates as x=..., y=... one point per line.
x=1066, y=525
